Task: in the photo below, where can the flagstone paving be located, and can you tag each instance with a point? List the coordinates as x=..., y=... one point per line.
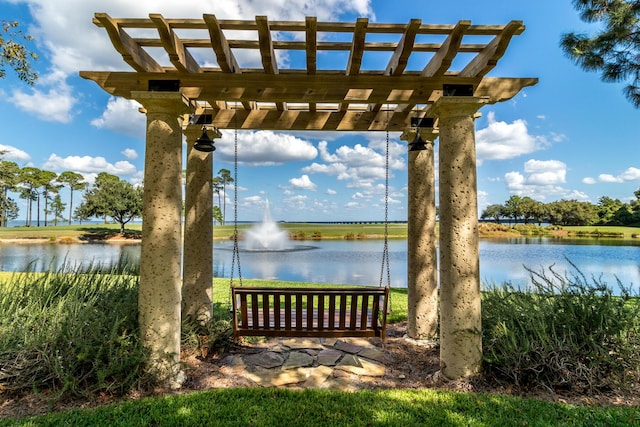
x=310, y=363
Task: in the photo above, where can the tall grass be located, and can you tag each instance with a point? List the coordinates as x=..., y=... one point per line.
x=564, y=331
x=73, y=331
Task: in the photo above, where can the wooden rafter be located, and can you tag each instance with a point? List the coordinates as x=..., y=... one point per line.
x=278, y=96
x=178, y=55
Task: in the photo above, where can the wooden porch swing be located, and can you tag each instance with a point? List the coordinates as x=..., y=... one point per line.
x=321, y=311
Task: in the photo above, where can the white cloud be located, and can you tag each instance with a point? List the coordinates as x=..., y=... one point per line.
x=588, y=180
x=13, y=154
x=52, y=105
x=88, y=164
x=630, y=174
x=130, y=153
x=331, y=192
x=303, y=183
x=541, y=181
x=122, y=116
x=263, y=148
x=360, y=165
x=545, y=172
x=500, y=140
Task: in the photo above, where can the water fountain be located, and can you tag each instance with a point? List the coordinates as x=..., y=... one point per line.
x=267, y=236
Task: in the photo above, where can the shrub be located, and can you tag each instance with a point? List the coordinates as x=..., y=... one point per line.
x=349, y=236
x=73, y=331
x=317, y=235
x=563, y=332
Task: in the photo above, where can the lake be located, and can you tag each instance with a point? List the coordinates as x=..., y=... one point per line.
x=360, y=262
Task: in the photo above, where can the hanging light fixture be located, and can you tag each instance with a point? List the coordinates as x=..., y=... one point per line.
x=204, y=143
x=418, y=143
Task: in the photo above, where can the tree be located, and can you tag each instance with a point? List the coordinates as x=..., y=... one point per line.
x=513, y=208
x=112, y=197
x=225, y=178
x=494, y=212
x=47, y=179
x=607, y=207
x=217, y=214
x=14, y=53
x=217, y=189
x=9, y=172
x=56, y=207
x=615, y=49
x=29, y=177
x=75, y=181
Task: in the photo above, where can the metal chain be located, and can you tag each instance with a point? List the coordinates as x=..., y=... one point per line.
x=385, y=251
x=236, y=250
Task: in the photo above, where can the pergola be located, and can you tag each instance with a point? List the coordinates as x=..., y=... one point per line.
x=235, y=74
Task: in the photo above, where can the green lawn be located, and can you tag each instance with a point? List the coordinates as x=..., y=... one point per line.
x=279, y=407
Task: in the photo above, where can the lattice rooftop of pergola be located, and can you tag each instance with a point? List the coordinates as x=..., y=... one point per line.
x=238, y=70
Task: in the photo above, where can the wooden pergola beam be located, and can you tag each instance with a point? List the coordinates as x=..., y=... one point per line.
x=178, y=55
x=486, y=60
x=131, y=51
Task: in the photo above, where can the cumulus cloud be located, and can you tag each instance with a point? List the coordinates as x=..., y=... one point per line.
x=122, y=116
x=331, y=192
x=303, y=183
x=12, y=153
x=130, y=153
x=52, y=105
x=264, y=148
x=360, y=165
x=88, y=164
x=629, y=175
x=541, y=180
x=501, y=140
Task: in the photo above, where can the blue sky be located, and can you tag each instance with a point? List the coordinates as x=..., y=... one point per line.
x=571, y=136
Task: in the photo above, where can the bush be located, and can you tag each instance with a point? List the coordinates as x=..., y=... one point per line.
x=563, y=332
x=72, y=331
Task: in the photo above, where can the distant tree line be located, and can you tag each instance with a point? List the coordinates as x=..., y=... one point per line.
x=608, y=211
x=109, y=197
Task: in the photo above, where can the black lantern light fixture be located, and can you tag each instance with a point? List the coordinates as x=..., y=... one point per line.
x=204, y=143
x=418, y=143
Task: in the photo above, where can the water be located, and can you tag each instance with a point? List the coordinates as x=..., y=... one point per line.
x=266, y=235
x=360, y=262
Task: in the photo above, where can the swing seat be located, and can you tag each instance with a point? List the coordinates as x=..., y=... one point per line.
x=310, y=312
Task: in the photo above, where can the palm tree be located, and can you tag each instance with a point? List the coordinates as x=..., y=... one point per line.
x=29, y=177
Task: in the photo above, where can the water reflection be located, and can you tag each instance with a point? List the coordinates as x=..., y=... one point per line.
x=359, y=262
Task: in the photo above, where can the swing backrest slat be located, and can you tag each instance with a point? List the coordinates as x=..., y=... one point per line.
x=310, y=312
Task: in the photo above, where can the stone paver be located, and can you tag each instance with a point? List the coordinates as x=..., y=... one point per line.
x=310, y=363
x=276, y=377
x=266, y=359
x=298, y=359
x=318, y=377
x=329, y=357
x=373, y=353
x=308, y=343
x=358, y=366
x=347, y=347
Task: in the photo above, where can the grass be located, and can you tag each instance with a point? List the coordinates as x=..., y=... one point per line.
x=272, y=407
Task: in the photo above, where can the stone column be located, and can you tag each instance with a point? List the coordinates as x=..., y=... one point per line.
x=197, y=273
x=160, y=254
x=460, y=316
x=422, y=255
